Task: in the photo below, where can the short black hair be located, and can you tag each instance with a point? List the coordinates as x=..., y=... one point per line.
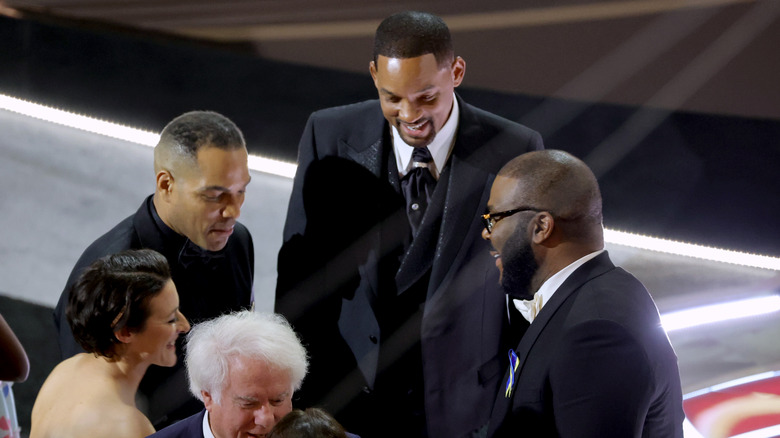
x=311, y=423
x=114, y=293
x=188, y=133
x=411, y=34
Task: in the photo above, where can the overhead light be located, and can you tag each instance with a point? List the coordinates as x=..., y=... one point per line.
x=720, y=312
x=114, y=130
x=691, y=250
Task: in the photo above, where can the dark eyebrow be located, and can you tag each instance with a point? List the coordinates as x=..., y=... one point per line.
x=221, y=188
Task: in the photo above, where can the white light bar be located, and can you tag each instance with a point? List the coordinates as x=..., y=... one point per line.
x=120, y=132
x=720, y=312
x=732, y=383
x=274, y=167
x=691, y=250
x=287, y=170
x=72, y=120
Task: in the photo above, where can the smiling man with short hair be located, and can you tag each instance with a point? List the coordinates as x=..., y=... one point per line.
x=383, y=272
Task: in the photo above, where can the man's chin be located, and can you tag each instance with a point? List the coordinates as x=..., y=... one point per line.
x=417, y=142
x=516, y=290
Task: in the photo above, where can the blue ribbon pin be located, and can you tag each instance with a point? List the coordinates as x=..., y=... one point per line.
x=513, y=363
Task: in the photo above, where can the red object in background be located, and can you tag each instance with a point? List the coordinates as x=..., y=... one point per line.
x=727, y=410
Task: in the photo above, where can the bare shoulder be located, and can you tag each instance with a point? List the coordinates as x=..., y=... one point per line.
x=124, y=422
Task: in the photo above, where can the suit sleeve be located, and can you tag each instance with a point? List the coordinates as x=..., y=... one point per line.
x=602, y=382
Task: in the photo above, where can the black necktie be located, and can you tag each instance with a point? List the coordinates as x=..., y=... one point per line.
x=418, y=187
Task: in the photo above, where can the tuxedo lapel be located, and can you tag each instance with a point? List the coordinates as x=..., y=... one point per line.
x=367, y=155
x=465, y=197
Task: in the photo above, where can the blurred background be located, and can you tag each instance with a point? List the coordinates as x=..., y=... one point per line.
x=674, y=104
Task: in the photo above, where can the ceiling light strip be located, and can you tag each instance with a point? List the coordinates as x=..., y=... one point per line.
x=78, y=121
x=285, y=169
x=732, y=383
x=698, y=316
x=691, y=250
x=113, y=130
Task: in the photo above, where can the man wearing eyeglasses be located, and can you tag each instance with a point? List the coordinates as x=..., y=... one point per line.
x=595, y=361
x=383, y=272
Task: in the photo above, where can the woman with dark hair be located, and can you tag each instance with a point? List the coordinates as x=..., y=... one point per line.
x=311, y=423
x=124, y=312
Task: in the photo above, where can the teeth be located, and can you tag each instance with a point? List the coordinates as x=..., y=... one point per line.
x=416, y=127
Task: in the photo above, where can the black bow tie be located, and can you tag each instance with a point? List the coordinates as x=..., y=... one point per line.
x=192, y=253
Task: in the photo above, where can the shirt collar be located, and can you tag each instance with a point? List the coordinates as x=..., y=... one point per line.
x=440, y=147
x=552, y=284
x=207, y=433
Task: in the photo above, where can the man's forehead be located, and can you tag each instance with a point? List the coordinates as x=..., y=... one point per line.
x=506, y=189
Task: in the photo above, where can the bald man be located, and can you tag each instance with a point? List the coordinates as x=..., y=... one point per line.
x=201, y=174
x=595, y=361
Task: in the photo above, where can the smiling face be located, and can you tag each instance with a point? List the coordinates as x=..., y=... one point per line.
x=155, y=343
x=204, y=200
x=511, y=240
x=254, y=399
x=416, y=94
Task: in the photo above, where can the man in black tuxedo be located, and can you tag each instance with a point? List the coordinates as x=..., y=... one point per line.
x=382, y=271
x=595, y=361
x=201, y=172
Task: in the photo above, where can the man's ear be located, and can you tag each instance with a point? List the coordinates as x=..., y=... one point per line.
x=208, y=402
x=164, y=183
x=543, y=225
x=458, y=70
x=372, y=70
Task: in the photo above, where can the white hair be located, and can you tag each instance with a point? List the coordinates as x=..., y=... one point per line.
x=211, y=345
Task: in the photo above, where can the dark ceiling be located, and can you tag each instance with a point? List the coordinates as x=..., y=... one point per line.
x=712, y=56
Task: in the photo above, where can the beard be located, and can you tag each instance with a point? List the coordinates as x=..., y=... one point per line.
x=519, y=267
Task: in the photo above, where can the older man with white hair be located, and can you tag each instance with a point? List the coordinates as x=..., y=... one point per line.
x=244, y=367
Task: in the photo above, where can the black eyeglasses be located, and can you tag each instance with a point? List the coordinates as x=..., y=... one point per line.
x=491, y=219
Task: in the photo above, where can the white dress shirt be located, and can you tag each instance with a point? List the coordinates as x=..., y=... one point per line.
x=440, y=147
x=206, y=428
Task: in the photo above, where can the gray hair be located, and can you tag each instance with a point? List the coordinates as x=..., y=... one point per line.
x=212, y=344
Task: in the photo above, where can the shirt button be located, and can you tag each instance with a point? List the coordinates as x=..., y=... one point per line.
x=415, y=206
x=372, y=338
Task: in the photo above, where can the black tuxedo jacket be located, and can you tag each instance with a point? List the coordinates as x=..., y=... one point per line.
x=190, y=427
x=594, y=363
x=206, y=290
x=347, y=261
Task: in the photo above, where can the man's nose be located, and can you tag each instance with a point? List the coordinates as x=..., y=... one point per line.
x=233, y=208
x=264, y=416
x=408, y=112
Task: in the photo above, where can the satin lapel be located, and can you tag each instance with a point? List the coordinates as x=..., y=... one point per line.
x=470, y=178
x=369, y=156
x=467, y=194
